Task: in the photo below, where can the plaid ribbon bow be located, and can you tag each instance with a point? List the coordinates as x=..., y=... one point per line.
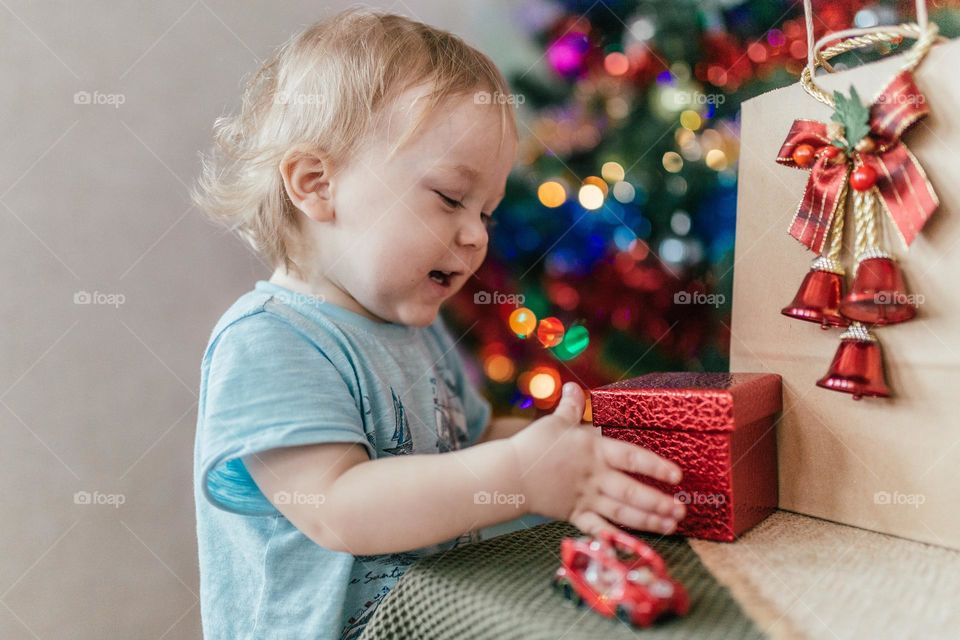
x=905, y=191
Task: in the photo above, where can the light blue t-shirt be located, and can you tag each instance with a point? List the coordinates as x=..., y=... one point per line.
x=284, y=369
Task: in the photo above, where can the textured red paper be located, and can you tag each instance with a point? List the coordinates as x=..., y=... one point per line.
x=720, y=429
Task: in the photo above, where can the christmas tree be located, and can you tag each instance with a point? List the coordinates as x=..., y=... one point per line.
x=613, y=252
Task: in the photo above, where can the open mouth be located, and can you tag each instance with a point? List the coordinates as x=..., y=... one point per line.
x=443, y=278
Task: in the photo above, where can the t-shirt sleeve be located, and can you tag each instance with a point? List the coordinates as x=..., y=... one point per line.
x=267, y=386
x=476, y=408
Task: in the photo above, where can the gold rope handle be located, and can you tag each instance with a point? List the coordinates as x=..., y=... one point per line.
x=853, y=43
x=867, y=223
x=860, y=217
x=836, y=232
x=925, y=40
x=873, y=221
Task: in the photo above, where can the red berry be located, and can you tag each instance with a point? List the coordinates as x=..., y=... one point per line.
x=863, y=178
x=803, y=155
x=830, y=151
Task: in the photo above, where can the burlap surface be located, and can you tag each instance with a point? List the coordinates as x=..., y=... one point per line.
x=500, y=588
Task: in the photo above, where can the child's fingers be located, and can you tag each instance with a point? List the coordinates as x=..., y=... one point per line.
x=591, y=524
x=623, y=488
x=570, y=407
x=632, y=517
x=630, y=457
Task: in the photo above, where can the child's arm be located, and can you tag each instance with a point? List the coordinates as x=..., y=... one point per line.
x=506, y=426
x=502, y=427
x=346, y=502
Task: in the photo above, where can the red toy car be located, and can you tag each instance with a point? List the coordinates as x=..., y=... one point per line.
x=619, y=575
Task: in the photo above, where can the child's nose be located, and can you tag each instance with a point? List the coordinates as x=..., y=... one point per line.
x=472, y=233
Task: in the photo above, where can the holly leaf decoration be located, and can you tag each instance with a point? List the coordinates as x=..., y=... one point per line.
x=853, y=115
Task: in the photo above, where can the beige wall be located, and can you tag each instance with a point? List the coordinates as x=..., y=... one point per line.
x=93, y=197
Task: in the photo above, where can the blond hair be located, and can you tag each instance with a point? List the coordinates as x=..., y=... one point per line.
x=323, y=90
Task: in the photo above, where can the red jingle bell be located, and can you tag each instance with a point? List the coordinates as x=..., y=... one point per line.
x=878, y=294
x=818, y=299
x=863, y=178
x=857, y=366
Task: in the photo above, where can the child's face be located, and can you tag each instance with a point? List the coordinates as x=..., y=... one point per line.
x=409, y=229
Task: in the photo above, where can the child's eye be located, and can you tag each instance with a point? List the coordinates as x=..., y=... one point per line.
x=488, y=220
x=450, y=202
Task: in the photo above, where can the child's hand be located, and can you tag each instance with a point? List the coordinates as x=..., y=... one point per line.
x=571, y=472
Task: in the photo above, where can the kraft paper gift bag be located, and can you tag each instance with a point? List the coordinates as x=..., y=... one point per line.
x=886, y=464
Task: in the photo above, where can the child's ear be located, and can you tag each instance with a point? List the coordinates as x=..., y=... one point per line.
x=307, y=180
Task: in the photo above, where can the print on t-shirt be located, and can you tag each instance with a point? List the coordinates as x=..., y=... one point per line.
x=450, y=417
x=401, y=432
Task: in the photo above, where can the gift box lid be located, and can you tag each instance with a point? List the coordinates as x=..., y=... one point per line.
x=687, y=401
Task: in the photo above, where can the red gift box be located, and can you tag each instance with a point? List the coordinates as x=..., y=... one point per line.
x=720, y=429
